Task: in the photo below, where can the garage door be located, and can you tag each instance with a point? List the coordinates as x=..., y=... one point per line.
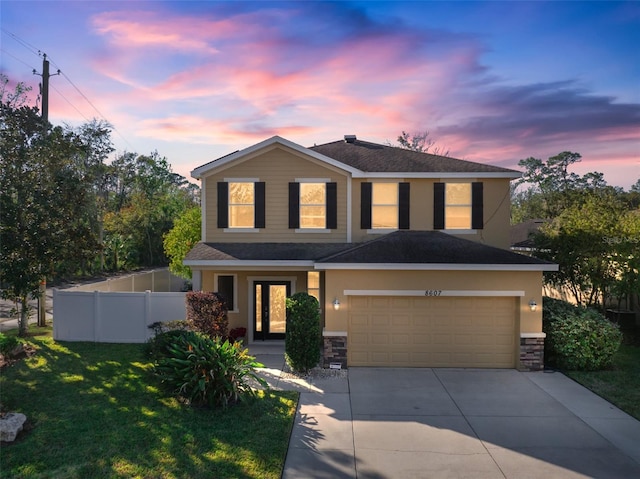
x=391, y=331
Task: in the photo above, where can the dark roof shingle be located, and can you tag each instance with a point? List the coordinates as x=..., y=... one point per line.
x=400, y=247
x=428, y=247
x=376, y=158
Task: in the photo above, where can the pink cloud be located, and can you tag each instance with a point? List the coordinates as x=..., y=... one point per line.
x=192, y=129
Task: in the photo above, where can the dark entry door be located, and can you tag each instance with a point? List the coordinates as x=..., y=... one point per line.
x=270, y=315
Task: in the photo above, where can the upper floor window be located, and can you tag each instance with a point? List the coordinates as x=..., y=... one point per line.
x=458, y=206
x=313, y=212
x=241, y=204
x=384, y=206
x=313, y=205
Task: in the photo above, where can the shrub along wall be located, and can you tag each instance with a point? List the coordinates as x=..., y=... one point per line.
x=578, y=338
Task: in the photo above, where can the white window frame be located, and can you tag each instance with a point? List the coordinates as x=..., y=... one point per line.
x=241, y=229
x=323, y=181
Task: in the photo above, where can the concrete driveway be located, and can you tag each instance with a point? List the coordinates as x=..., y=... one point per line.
x=424, y=423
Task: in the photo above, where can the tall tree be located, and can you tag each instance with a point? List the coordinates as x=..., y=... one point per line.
x=41, y=196
x=552, y=187
x=421, y=142
x=148, y=197
x=594, y=242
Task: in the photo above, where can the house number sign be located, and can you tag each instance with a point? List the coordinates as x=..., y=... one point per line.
x=433, y=292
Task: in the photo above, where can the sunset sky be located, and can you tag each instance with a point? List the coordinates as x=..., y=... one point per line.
x=493, y=82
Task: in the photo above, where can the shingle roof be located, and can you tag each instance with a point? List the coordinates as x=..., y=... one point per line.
x=264, y=251
x=376, y=158
x=400, y=247
x=428, y=247
x=521, y=234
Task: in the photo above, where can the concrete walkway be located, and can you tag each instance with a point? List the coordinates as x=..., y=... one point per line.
x=430, y=423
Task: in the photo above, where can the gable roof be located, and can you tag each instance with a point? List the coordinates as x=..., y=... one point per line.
x=363, y=159
x=398, y=250
x=274, y=140
x=376, y=158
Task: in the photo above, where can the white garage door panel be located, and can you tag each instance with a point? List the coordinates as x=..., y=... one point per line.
x=431, y=332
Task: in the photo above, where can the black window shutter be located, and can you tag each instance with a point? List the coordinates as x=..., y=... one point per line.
x=259, y=210
x=294, y=205
x=223, y=204
x=365, y=206
x=403, y=206
x=438, y=206
x=477, y=206
x=332, y=206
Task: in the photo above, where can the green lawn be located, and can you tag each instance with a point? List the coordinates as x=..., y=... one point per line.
x=96, y=411
x=620, y=384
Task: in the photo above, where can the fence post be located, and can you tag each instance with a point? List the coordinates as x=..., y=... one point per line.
x=55, y=329
x=147, y=313
x=97, y=319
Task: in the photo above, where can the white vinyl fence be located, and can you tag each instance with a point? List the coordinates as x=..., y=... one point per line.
x=112, y=317
x=158, y=280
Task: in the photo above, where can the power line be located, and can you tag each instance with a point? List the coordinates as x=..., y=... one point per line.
x=24, y=43
x=39, y=53
x=69, y=102
x=16, y=58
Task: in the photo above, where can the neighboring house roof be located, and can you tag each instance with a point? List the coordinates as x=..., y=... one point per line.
x=520, y=234
x=376, y=158
x=365, y=159
x=398, y=250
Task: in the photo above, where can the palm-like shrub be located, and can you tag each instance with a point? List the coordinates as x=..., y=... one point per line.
x=208, y=371
x=302, y=342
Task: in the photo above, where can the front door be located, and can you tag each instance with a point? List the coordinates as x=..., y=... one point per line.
x=270, y=315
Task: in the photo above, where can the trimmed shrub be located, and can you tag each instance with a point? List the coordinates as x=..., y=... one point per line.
x=207, y=313
x=8, y=344
x=303, y=339
x=207, y=371
x=579, y=338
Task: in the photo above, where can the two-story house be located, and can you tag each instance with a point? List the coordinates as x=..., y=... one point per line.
x=407, y=253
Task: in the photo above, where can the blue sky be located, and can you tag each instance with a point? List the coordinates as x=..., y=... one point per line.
x=492, y=82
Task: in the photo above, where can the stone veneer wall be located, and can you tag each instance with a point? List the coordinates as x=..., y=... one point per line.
x=532, y=354
x=334, y=351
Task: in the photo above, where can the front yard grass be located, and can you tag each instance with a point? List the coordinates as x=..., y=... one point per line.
x=96, y=411
x=620, y=384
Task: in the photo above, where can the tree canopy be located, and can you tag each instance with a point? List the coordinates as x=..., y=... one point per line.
x=592, y=230
x=67, y=209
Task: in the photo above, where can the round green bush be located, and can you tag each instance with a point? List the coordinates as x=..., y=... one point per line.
x=302, y=342
x=581, y=339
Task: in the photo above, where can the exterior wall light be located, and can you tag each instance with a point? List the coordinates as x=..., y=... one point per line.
x=533, y=305
x=336, y=304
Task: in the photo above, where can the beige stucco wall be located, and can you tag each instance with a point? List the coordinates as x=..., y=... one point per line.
x=243, y=317
x=496, y=209
x=277, y=166
x=530, y=282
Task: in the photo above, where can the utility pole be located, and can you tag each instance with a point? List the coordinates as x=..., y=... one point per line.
x=44, y=90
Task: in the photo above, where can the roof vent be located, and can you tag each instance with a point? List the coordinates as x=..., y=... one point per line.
x=350, y=138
